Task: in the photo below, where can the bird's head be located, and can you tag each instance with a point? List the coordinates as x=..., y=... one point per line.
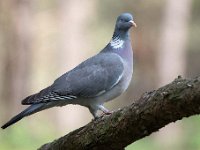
x=121, y=33
x=125, y=22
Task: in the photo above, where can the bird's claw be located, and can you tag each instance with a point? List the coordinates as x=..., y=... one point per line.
x=102, y=115
x=106, y=113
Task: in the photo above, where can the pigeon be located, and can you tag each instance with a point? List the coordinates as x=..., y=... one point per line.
x=93, y=82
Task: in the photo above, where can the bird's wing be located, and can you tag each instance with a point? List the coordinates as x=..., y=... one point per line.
x=45, y=95
x=91, y=78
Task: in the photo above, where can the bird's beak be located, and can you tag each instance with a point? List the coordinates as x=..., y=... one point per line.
x=133, y=23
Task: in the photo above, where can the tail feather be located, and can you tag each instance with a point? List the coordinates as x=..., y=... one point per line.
x=28, y=111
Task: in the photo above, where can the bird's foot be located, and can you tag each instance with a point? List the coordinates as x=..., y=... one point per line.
x=106, y=113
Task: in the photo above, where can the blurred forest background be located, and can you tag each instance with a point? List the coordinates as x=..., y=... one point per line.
x=40, y=40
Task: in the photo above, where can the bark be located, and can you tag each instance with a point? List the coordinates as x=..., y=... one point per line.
x=152, y=111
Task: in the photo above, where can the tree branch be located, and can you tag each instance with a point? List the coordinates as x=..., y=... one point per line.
x=152, y=111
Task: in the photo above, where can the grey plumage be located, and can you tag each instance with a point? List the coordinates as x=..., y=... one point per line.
x=93, y=82
x=28, y=111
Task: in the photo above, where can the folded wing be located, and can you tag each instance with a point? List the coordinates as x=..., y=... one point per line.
x=91, y=78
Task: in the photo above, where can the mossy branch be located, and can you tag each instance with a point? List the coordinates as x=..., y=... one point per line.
x=152, y=111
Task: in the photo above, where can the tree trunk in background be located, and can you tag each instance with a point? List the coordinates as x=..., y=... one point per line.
x=172, y=49
x=74, y=15
x=171, y=58
x=3, y=19
x=16, y=47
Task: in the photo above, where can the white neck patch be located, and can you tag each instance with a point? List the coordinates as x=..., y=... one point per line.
x=116, y=43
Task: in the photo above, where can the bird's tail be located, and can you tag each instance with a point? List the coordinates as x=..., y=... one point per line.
x=28, y=111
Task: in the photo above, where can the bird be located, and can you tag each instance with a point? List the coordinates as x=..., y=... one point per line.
x=93, y=82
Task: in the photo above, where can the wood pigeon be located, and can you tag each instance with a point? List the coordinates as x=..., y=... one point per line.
x=95, y=81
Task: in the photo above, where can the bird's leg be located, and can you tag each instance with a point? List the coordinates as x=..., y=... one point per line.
x=93, y=112
x=104, y=110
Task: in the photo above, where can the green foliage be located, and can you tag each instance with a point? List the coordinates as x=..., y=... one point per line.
x=190, y=141
x=144, y=144
x=20, y=137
